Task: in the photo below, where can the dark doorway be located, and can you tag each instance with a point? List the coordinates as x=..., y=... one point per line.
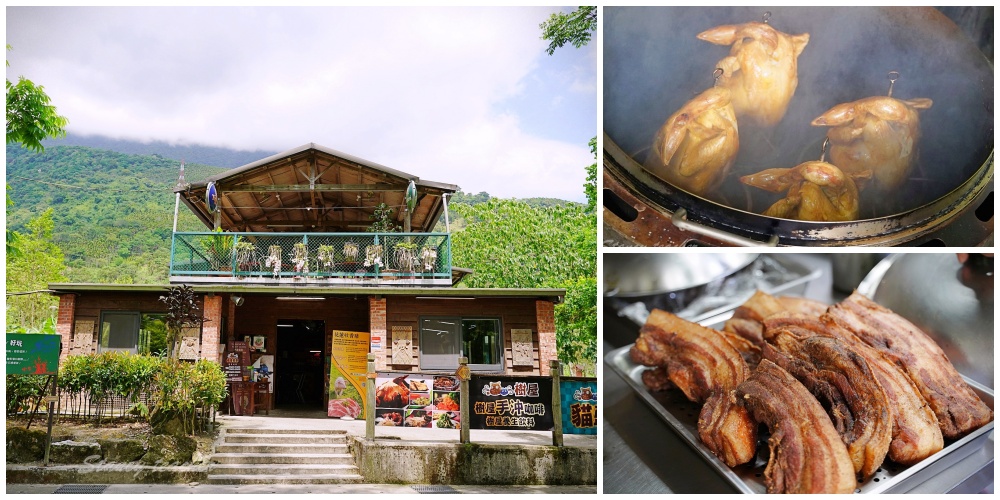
x=299, y=367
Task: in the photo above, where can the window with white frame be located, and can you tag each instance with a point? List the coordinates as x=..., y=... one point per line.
x=444, y=339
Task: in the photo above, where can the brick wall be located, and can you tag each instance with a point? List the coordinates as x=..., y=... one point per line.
x=545, y=311
x=64, y=323
x=211, y=328
x=378, y=328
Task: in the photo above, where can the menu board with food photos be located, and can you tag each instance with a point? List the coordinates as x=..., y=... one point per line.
x=417, y=400
x=237, y=358
x=501, y=402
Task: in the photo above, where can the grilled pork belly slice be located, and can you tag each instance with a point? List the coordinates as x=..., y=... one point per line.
x=958, y=409
x=807, y=453
x=725, y=427
x=747, y=322
x=698, y=360
x=916, y=434
x=864, y=413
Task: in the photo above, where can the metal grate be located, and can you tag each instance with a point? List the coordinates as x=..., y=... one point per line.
x=432, y=489
x=87, y=489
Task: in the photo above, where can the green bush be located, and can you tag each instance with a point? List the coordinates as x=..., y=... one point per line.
x=22, y=390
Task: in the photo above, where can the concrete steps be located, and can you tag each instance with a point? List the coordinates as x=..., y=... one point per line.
x=282, y=456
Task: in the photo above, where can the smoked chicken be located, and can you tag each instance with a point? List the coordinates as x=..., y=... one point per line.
x=957, y=407
x=699, y=361
x=761, y=70
x=817, y=191
x=875, y=136
x=697, y=145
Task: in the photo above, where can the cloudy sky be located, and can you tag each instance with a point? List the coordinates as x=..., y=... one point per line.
x=460, y=95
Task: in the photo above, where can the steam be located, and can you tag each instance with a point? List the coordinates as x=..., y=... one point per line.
x=653, y=64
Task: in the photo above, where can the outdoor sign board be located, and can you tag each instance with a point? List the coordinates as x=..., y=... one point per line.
x=501, y=402
x=417, y=400
x=579, y=405
x=32, y=354
x=348, y=366
x=237, y=357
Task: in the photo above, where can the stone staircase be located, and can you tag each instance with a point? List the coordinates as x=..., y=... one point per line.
x=282, y=456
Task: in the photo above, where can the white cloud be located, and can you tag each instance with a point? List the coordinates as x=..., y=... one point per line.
x=420, y=90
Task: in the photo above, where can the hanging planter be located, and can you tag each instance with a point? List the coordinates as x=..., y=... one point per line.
x=373, y=255
x=244, y=253
x=273, y=261
x=350, y=252
x=326, y=258
x=428, y=259
x=300, y=258
x=405, y=255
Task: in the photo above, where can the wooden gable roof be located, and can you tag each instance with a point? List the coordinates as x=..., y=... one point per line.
x=312, y=188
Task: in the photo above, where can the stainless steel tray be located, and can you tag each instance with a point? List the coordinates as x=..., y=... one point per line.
x=682, y=416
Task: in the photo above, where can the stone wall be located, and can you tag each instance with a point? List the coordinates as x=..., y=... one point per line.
x=483, y=464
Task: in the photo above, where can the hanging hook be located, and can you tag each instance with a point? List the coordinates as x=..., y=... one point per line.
x=822, y=155
x=766, y=17
x=717, y=74
x=893, y=76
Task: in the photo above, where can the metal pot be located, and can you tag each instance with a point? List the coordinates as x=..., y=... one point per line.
x=654, y=64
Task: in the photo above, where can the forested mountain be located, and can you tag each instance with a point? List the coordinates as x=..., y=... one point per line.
x=190, y=153
x=113, y=212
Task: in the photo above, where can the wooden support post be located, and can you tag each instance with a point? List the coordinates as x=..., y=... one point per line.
x=51, y=407
x=557, y=432
x=370, y=402
x=463, y=400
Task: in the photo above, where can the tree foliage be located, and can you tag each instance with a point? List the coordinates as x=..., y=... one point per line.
x=31, y=116
x=510, y=244
x=575, y=28
x=36, y=263
x=183, y=311
x=590, y=186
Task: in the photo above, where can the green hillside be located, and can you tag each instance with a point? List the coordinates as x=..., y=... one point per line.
x=113, y=212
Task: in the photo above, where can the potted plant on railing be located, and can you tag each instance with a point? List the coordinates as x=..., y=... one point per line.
x=406, y=258
x=428, y=259
x=218, y=250
x=326, y=258
x=300, y=258
x=273, y=261
x=245, y=253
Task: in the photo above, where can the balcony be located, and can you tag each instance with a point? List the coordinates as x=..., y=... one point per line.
x=338, y=259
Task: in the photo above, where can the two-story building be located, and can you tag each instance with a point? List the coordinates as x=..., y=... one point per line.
x=288, y=260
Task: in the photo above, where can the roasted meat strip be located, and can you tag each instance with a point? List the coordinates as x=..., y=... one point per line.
x=957, y=407
x=868, y=431
x=807, y=454
x=915, y=431
x=699, y=360
x=747, y=322
x=727, y=430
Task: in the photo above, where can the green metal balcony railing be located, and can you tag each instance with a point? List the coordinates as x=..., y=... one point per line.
x=290, y=256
